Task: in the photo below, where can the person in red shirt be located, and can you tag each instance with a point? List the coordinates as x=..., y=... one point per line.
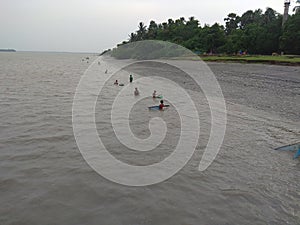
x=161, y=106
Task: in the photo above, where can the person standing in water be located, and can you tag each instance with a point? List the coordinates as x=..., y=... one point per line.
x=136, y=92
x=154, y=94
x=161, y=106
x=130, y=78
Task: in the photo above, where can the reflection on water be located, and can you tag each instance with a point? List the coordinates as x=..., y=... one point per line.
x=44, y=179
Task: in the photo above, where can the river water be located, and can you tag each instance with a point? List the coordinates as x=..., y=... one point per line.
x=45, y=180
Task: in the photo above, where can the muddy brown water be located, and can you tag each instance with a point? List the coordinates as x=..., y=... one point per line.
x=45, y=180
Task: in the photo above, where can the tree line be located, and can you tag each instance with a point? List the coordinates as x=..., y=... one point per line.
x=255, y=32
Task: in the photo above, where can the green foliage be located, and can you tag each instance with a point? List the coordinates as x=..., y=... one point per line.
x=232, y=23
x=255, y=32
x=290, y=39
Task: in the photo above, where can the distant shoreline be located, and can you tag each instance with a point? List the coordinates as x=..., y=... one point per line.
x=7, y=50
x=42, y=51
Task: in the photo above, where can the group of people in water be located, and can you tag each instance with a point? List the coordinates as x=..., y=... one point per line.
x=136, y=92
x=117, y=82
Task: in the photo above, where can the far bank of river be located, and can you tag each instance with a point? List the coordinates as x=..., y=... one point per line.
x=7, y=50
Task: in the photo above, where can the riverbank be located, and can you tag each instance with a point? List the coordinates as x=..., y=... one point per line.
x=277, y=60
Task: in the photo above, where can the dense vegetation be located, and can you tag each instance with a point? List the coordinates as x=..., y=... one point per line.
x=255, y=32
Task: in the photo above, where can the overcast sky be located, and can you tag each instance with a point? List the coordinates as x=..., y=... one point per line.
x=95, y=25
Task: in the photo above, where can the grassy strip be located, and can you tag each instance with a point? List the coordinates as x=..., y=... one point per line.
x=281, y=60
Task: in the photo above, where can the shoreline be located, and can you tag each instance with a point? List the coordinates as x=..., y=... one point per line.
x=258, y=61
x=268, y=60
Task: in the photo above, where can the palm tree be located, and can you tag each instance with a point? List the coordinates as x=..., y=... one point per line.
x=192, y=22
x=142, y=29
x=133, y=37
x=297, y=7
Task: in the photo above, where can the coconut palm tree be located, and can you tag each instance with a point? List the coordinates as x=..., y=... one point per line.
x=133, y=37
x=297, y=7
x=142, y=29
